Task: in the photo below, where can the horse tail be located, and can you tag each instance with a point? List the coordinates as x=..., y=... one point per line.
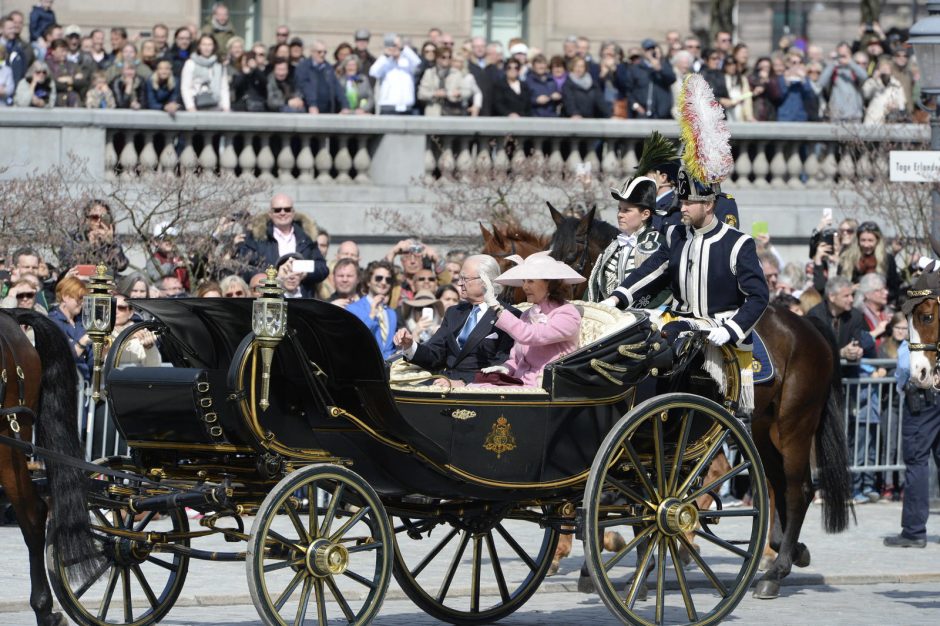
x=56, y=430
x=831, y=447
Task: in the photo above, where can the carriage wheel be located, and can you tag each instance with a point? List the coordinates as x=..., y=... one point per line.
x=494, y=555
x=132, y=583
x=652, y=465
x=309, y=562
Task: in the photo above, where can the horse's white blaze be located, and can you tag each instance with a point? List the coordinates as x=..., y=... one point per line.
x=920, y=365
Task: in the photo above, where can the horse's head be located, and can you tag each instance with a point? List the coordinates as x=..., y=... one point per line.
x=922, y=309
x=504, y=241
x=579, y=240
x=924, y=323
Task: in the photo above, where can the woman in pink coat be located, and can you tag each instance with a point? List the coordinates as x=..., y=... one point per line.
x=549, y=328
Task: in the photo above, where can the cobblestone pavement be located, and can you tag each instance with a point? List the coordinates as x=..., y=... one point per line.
x=852, y=579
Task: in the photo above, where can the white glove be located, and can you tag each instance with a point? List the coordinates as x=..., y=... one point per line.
x=502, y=369
x=719, y=336
x=489, y=295
x=611, y=302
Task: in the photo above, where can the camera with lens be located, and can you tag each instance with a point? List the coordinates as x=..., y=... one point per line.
x=416, y=248
x=826, y=236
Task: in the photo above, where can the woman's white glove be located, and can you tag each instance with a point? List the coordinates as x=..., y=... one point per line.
x=489, y=295
x=502, y=369
x=611, y=302
x=719, y=336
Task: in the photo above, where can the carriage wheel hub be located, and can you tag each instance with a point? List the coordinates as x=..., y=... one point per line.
x=674, y=517
x=327, y=559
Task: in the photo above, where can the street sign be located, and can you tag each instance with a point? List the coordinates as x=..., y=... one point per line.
x=915, y=166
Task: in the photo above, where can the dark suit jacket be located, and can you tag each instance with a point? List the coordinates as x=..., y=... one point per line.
x=441, y=354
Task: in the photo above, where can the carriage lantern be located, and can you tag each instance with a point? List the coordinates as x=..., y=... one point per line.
x=98, y=319
x=269, y=323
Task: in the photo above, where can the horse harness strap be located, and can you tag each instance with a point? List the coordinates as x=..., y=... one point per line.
x=915, y=298
x=12, y=412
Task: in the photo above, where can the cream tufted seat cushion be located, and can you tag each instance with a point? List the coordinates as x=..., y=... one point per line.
x=597, y=321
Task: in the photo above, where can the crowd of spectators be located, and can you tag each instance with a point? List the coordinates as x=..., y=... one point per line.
x=872, y=79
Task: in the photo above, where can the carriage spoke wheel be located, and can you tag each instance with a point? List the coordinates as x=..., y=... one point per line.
x=652, y=467
x=320, y=550
x=131, y=582
x=471, y=569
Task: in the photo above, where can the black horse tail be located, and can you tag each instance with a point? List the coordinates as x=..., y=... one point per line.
x=831, y=447
x=57, y=430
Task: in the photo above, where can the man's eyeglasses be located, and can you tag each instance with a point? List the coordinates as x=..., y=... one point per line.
x=235, y=294
x=426, y=279
x=283, y=34
x=28, y=295
x=319, y=51
x=95, y=217
x=122, y=307
x=382, y=279
x=281, y=209
x=466, y=279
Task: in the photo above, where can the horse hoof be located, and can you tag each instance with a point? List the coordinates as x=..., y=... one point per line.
x=765, y=563
x=553, y=568
x=586, y=584
x=613, y=541
x=767, y=590
x=802, y=557
x=55, y=619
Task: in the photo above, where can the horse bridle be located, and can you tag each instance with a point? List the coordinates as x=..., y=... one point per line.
x=923, y=295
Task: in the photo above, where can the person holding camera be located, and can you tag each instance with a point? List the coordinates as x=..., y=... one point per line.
x=842, y=80
x=413, y=256
x=884, y=94
x=279, y=232
x=95, y=240
x=395, y=71
x=646, y=84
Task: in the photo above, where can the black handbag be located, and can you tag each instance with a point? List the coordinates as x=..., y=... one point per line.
x=205, y=99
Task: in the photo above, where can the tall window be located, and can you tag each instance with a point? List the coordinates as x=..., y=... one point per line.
x=245, y=16
x=795, y=19
x=500, y=20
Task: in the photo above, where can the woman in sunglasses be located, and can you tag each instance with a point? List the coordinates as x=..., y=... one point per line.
x=867, y=254
x=372, y=308
x=22, y=295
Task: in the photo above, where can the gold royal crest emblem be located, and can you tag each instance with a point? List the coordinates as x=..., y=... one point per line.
x=500, y=439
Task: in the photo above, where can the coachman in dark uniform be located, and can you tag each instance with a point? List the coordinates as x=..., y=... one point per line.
x=711, y=268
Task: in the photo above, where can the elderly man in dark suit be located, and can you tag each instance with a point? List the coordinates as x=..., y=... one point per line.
x=467, y=340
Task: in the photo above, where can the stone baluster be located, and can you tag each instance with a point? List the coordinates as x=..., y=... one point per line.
x=208, y=159
x=795, y=167
x=610, y=164
x=305, y=160
x=430, y=164
x=847, y=165
x=464, y=161
x=247, y=158
x=324, y=162
x=536, y=160
x=518, y=160
x=363, y=161
x=285, y=160
x=555, y=163
x=228, y=158
x=482, y=161
x=343, y=161
x=168, y=156
x=830, y=167
x=148, y=155
x=574, y=161
x=266, y=159
x=501, y=158
x=446, y=162
x=110, y=156
x=128, y=158
x=742, y=167
x=812, y=167
x=864, y=168
x=778, y=165
x=594, y=163
x=760, y=166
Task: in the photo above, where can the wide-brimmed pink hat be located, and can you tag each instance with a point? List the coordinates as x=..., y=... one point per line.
x=538, y=266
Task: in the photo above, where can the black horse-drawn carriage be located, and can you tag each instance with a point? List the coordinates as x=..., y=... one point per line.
x=355, y=471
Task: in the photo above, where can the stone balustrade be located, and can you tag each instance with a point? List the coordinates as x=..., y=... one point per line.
x=338, y=167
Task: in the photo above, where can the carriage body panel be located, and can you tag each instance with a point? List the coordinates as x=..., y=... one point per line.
x=330, y=395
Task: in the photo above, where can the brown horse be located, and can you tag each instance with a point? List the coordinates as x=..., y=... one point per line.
x=791, y=413
x=47, y=389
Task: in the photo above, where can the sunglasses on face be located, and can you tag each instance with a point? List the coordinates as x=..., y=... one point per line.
x=425, y=279
x=281, y=209
x=235, y=294
x=122, y=307
x=847, y=231
x=382, y=279
x=29, y=295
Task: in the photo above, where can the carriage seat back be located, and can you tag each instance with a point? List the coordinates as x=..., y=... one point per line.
x=173, y=405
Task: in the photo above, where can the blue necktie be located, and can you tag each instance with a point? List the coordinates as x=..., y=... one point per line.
x=468, y=326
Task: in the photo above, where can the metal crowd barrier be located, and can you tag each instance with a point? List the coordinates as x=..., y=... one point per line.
x=872, y=418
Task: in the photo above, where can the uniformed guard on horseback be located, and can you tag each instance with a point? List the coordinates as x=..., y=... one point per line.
x=637, y=240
